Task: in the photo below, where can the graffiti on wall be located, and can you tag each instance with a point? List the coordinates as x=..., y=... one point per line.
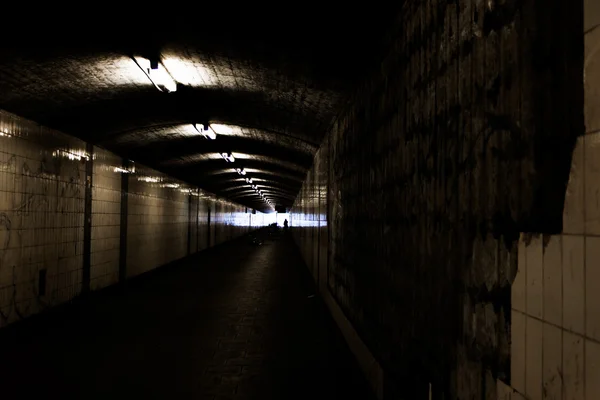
x=42, y=193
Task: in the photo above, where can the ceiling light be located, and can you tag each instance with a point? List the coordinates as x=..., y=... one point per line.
x=206, y=131
x=240, y=171
x=157, y=74
x=128, y=170
x=228, y=157
x=150, y=179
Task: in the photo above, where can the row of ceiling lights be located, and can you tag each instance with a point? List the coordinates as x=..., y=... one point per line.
x=228, y=157
x=241, y=171
x=163, y=81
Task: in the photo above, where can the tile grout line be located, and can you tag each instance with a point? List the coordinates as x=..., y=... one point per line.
x=580, y=234
x=526, y=314
x=562, y=315
x=591, y=339
x=584, y=264
x=543, y=308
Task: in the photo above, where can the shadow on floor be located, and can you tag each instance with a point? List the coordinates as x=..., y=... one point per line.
x=233, y=322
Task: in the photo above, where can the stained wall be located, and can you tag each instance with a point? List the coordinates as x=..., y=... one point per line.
x=460, y=143
x=42, y=202
x=137, y=221
x=555, y=336
x=106, y=219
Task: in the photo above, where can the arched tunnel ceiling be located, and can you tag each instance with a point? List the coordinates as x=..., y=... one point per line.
x=270, y=86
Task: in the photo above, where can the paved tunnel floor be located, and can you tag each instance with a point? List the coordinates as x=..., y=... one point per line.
x=234, y=322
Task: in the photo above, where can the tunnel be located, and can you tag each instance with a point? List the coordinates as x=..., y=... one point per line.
x=313, y=201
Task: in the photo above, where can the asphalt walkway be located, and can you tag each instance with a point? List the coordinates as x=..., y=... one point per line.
x=234, y=322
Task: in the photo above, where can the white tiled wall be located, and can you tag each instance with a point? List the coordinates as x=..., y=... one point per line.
x=592, y=65
x=42, y=203
x=556, y=299
x=158, y=218
x=194, y=222
x=556, y=294
x=41, y=217
x=106, y=219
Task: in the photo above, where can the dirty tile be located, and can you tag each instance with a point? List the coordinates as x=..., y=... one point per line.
x=553, y=281
x=505, y=392
x=518, y=350
x=591, y=14
x=573, y=366
x=535, y=294
x=592, y=183
x=519, y=286
x=534, y=343
x=552, y=365
x=592, y=370
x=573, y=283
x=573, y=214
x=592, y=289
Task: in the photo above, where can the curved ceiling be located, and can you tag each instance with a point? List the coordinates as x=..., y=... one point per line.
x=269, y=85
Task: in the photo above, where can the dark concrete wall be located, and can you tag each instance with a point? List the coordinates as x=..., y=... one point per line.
x=49, y=254
x=308, y=217
x=460, y=140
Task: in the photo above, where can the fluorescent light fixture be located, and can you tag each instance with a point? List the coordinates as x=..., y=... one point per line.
x=157, y=74
x=240, y=171
x=150, y=179
x=71, y=154
x=206, y=131
x=130, y=170
x=228, y=157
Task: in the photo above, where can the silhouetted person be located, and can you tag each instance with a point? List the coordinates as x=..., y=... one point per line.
x=285, y=224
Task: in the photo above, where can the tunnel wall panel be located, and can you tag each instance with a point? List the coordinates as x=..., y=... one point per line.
x=106, y=219
x=203, y=227
x=193, y=222
x=158, y=221
x=219, y=219
x=555, y=329
x=43, y=192
x=41, y=217
x=460, y=140
x=308, y=217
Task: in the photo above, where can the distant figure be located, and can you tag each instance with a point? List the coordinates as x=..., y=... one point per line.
x=285, y=224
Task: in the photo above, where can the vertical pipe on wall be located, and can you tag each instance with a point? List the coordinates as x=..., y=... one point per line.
x=317, y=216
x=208, y=228
x=123, y=224
x=197, y=221
x=87, y=220
x=328, y=209
x=189, y=230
